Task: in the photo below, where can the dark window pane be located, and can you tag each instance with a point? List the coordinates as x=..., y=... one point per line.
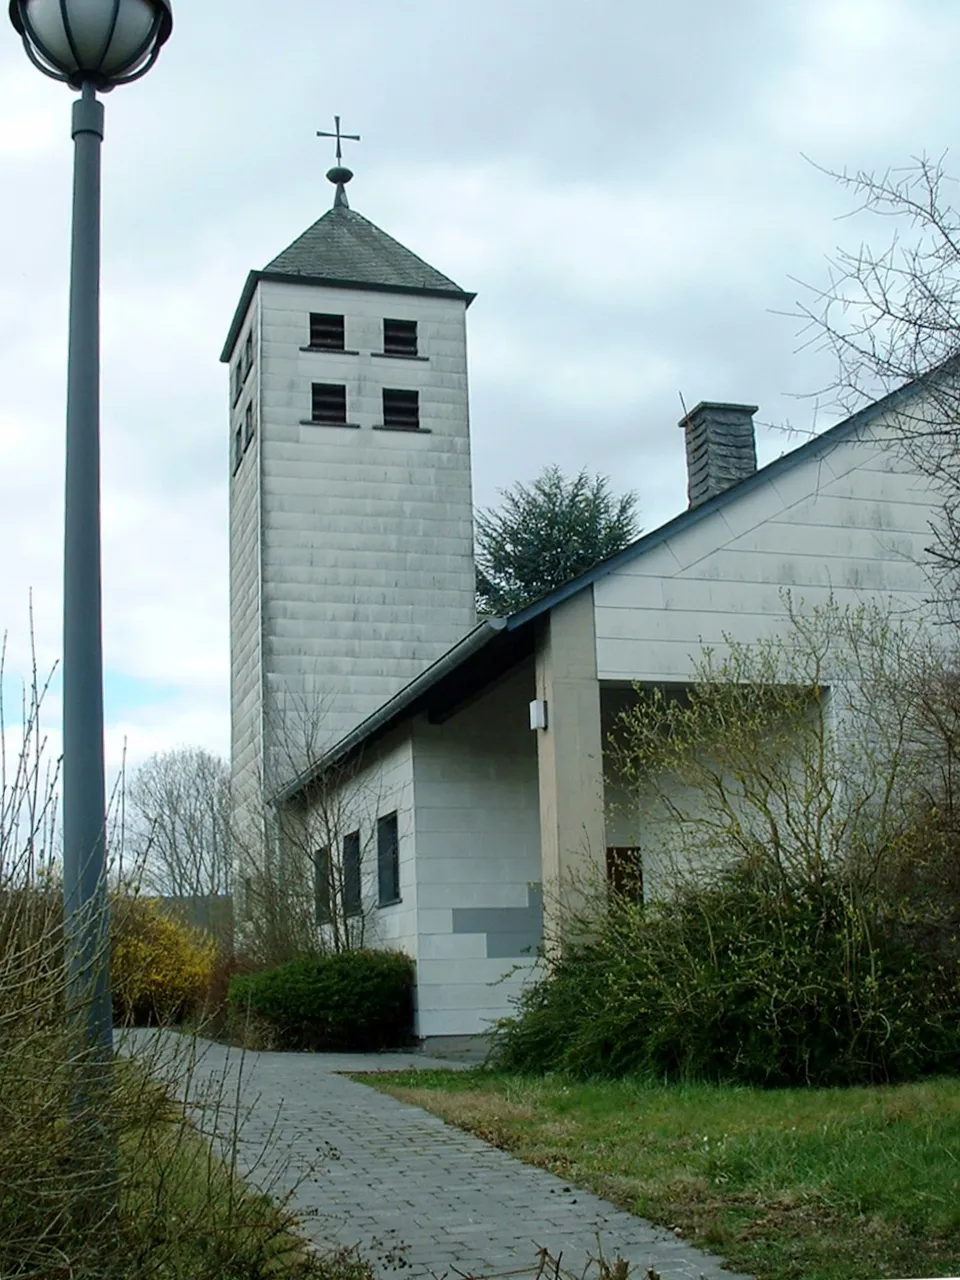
x=326, y=331
x=401, y=409
x=248, y=425
x=329, y=403
x=248, y=354
x=351, y=873
x=400, y=337
x=321, y=885
x=625, y=871
x=388, y=859
x=237, y=447
x=237, y=379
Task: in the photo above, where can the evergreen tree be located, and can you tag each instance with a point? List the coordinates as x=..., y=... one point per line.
x=546, y=533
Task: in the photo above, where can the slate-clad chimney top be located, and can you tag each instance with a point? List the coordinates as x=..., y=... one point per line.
x=721, y=448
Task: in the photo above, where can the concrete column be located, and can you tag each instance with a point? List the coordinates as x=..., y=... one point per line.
x=570, y=759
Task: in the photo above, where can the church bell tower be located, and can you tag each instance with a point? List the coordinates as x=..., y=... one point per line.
x=351, y=528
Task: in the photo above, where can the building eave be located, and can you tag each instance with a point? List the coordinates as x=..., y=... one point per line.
x=329, y=282
x=403, y=704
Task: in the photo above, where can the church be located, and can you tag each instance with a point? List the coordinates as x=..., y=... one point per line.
x=464, y=758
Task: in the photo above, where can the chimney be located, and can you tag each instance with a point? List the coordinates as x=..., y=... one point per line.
x=721, y=448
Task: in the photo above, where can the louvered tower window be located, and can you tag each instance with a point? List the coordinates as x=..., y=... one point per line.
x=326, y=332
x=329, y=403
x=400, y=337
x=401, y=409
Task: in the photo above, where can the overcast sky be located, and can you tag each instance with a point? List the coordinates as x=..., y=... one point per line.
x=622, y=182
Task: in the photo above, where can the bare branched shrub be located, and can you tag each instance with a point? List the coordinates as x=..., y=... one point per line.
x=891, y=318
x=802, y=910
x=119, y=1174
x=306, y=861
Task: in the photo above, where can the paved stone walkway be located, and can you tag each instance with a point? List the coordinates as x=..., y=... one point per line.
x=413, y=1192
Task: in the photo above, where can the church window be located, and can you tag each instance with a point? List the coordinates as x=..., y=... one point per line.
x=329, y=403
x=351, y=873
x=401, y=409
x=321, y=886
x=388, y=860
x=400, y=337
x=326, y=332
x=248, y=425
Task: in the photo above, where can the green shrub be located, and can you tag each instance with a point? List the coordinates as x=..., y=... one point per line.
x=352, y=1000
x=742, y=980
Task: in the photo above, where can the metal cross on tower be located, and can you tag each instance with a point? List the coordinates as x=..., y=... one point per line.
x=351, y=137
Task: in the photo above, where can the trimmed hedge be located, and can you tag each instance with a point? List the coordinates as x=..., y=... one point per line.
x=348, y=1001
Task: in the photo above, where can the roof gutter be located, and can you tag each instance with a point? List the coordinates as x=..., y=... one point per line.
x=471, y=643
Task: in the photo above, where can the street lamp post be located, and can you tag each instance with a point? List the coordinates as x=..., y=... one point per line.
x=91, y=45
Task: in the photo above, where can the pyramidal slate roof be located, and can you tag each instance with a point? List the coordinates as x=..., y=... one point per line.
x=345, y=249
x=345, y=246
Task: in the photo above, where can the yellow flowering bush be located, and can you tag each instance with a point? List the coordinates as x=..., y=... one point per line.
x=160, y=967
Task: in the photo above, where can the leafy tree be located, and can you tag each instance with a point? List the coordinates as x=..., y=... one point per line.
x=546, y=533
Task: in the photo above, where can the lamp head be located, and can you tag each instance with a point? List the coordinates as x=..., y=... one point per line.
x=103, y=42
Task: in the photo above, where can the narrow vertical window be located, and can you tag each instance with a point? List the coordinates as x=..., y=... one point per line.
x=248, y=425
x=401, y=409
x=388, y=860
x=248, y=354
x=237, y=446
x=237, y=379
x=351, y=873
x=321, y=886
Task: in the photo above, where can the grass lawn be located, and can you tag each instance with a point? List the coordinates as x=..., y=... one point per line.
x=788, y=1184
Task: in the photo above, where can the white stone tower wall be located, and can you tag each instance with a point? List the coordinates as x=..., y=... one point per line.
x=366, y=535
x=246, y=649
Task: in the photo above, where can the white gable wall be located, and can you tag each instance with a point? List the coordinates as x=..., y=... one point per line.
x=851, y=522
x=478, y=858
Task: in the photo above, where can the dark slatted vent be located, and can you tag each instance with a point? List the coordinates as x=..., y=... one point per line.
x=400, y=337
x=329, y=403
x=326, y=331
x=401, y=409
